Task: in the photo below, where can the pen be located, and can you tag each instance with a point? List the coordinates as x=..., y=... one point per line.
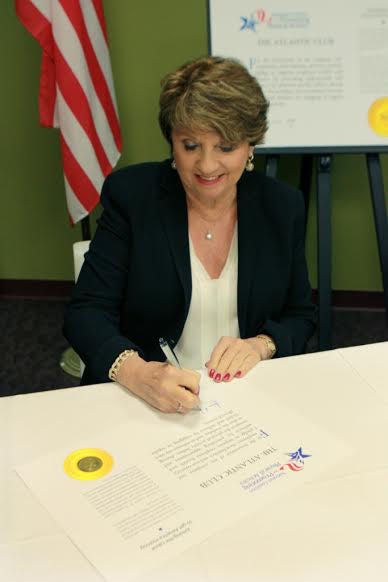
x=171, y=358
x=169, y=353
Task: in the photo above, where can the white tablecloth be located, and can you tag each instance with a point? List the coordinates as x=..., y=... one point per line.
x=336, y=529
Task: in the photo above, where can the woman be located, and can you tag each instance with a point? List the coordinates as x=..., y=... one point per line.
x=198, y=249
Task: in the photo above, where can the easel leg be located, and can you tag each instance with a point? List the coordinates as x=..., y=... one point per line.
x=380, y=215
x=324, y=252
x=306, y=174
x=271, y=166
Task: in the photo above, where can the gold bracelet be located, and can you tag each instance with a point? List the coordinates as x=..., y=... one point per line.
x=269, y=343
x=117, y=363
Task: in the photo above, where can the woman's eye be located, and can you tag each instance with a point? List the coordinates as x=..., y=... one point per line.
x=226, y=148
x=190, y=147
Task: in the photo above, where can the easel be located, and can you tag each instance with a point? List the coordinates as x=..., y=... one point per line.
x=376, y=184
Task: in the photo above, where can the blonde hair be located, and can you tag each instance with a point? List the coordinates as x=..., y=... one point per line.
x=214, y=94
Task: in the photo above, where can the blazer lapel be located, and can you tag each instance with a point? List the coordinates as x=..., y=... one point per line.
x=173, y=212
x=251, y=236
x=251, y=240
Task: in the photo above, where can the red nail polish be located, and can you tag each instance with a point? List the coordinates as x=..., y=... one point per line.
x=238, y=374
x=226, y=377
x=211, y=373
x=218, y=378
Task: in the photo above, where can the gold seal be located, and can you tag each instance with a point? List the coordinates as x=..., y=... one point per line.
x=88, y=464
x=378, y=116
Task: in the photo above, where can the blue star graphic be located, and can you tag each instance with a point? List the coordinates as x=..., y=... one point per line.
x=298, y=455
x=248, y=23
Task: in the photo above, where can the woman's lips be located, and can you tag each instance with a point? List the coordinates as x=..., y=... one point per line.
x=210, y=181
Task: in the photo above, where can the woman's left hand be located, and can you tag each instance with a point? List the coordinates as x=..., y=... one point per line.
x=233, y=357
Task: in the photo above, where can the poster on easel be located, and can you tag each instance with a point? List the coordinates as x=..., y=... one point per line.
x=323, y=67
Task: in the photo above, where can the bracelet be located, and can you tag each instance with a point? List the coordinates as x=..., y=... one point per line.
x=269, y=343
x=117, y=363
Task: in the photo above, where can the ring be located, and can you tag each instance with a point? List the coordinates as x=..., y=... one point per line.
x=180, y=407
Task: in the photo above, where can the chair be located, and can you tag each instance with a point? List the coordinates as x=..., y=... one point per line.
x=70, y=361
x=79, y=250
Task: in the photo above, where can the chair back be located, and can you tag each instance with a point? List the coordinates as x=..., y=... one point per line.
x=79, y=250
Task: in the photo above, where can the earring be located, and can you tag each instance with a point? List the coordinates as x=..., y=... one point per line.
x=250, y=166
x=173, y=164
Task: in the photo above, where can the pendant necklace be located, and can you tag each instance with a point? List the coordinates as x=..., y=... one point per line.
x=209, y=233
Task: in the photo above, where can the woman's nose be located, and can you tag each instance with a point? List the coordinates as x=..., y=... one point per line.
x=207, y=163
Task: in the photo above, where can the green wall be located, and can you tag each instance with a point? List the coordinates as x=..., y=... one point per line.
x=146, y=41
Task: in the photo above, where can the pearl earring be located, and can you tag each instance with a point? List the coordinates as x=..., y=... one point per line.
x=173, y=164
x=250, y=166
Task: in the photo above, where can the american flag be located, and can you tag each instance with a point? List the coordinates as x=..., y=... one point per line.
x=76, y=93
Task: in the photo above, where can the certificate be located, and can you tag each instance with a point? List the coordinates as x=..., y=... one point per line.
x=140, y=494
x=322, y=67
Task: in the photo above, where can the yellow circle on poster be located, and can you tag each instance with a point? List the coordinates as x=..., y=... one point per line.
x=378, y=116
x=88, y=464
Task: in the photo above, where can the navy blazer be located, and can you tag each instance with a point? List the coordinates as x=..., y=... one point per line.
x=135, y=284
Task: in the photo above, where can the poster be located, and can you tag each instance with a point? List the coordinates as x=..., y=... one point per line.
x=323, y=67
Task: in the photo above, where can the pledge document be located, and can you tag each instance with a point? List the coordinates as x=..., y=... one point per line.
x=140, y=494
x=322, y=66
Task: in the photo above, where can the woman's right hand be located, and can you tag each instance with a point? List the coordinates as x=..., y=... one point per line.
x=163, y=386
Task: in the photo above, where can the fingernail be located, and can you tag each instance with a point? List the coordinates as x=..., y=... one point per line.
x=218, y=378
x=226, y=377
x=211, y=373
x=238, y=374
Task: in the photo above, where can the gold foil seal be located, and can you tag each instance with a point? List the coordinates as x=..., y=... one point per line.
x=378, y=116
x=88, y=464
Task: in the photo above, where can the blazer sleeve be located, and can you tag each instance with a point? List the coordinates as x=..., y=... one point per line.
x=298, y=318
x=92, y=319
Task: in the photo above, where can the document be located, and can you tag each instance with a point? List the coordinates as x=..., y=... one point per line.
x=322, y=67
x=140, y=494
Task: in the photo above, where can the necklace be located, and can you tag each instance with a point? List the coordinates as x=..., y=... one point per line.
x=209, y=232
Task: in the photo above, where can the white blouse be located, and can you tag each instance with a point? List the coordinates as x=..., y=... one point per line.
x=213, y=310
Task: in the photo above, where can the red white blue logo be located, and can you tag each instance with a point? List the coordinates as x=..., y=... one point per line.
x=257, y=18
x=296, y=462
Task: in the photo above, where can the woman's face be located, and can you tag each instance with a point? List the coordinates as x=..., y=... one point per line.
x=208, y=167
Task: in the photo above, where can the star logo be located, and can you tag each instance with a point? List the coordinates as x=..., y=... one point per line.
x=298, y=455
x=248, y=23
x=297, y=461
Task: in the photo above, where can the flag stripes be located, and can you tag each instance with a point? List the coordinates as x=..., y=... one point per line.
x=76, y=93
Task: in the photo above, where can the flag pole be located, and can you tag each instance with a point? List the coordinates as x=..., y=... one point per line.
x=85, y=227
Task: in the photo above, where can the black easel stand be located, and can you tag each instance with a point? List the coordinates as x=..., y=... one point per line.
x=306, y=173
x=271, y=166
x=324, y=233
x=324, y=163
x=305, y=180
x=324, y=251
x=380, y=215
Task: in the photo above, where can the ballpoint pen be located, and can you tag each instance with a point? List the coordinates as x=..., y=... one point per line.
x=169, y=353
x=171, y=357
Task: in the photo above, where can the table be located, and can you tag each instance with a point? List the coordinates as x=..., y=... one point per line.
x=334, y=529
